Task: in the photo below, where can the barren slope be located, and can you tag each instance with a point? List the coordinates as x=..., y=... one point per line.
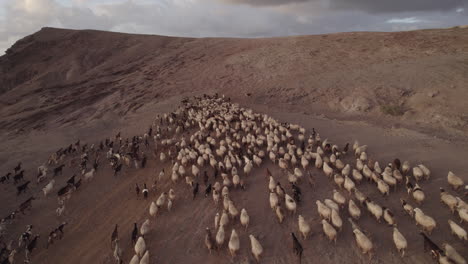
x=62, y=85
x=61, y=77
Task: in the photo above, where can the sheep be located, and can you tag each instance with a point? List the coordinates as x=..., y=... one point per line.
x=331, y=204
x=388, y=179
x=363, y=242
x=363, y=156
x=298, y=173
x=224, y=220
x=145, y=228
x=405, y=167
x=169, y=205
x=304, y=162
x=161, y=200
x=367, y=172
x=359, y=196
x=426, y=171
x=452, y=254
x=357, y=176
x=209, y=241
x=88, y=176
x=354, y=210
x=346, y=170
x=407, y=207
x=400, y=241
x=329, y=231
x=336, y=219
x=290, y=203
x=153, y=209
x=427, y=222
x=135, y=260
x=374, y=209
x=220, y=236
x=359, y=165
x=457, y=230
x=234, y=243
x=327, y=169
x=383, y=187
x=462, y=212
x=117, y=251
x=256, y=247
x=319, y=162
x=271, y=184
x=418, y=194
x=145, y=258
x=349, y=184
x=339, y=180
x=304, y=227
x=140, y=247
x=233, y=212
x=244, y=218
x=323, y=210
x=454, y=181
x=448, y=200
x=339, y=198
x=388, y=216
x=279, y=213
x=418, y=174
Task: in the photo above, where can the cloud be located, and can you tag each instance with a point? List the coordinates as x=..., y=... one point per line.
x=218, y=18
x=406, y=20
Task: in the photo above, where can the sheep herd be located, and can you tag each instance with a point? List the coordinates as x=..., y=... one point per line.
x=209, y=140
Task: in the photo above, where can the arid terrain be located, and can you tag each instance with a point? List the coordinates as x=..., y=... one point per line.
x=403, y=94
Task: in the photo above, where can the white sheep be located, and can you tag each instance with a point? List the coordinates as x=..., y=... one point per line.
x=448, y=200
x=153, y=209
x=290, y=203
x=457, y=230
x=354, y=210
x=161, y=200
x=220, y=236
x=304, y=227
x=233, y=212
x=323, y=210
x=329, y=231
x=135, y=260
x=145, y=258
x=145, y=227
x=244, y=218
x=234, y=243
x=256, y=248
x=452, y=254
x=425, y=170
x=363, y=242
x=279, y=214
x=336, y=219
x=418, y=194
x=454, y=181
x=327, y=169
x=428, y=223
x=140, y=247
x=418, y=173
x=339, y=198
x=349, y=184
x=338, y=179
x=462, y=212
x=89, y=175
x=400, y=241
x=374, y=209
x=224, y=220
x=48, y=188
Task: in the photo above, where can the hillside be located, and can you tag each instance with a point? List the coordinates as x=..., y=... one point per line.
x=403, y=94
x=417, y=76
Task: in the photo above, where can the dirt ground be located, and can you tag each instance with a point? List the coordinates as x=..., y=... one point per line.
x=54, y=92
x=178, y=236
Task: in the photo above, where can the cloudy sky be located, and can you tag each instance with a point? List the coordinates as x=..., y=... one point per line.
x=227, y=18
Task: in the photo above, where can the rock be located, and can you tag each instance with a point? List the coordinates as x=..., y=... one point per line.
x=432, y=94
x=355, y=104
